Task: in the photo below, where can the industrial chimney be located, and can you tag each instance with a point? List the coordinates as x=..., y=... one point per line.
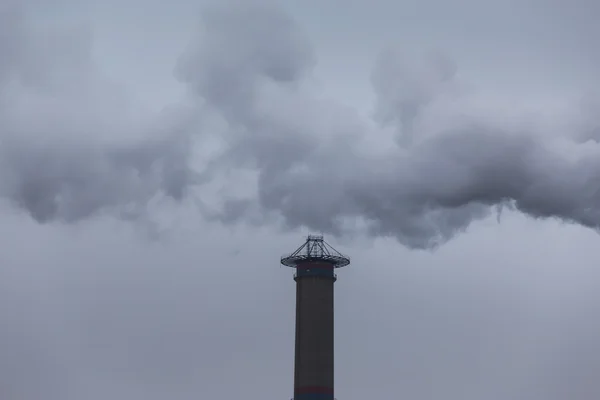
x=315, y=262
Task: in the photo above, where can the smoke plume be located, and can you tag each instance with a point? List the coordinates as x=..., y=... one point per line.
x=69, y=151
x=68, y=146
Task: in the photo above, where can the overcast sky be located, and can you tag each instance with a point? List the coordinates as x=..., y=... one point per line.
x=157, y=158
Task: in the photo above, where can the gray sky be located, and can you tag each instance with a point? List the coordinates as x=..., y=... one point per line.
x=157, y=158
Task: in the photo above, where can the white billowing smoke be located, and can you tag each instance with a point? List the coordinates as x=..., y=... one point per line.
x=249, y=70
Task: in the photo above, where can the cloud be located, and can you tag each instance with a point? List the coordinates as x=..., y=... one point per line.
x=69, y=145
x=317, y=175
x=405, y=84
x=314, y=162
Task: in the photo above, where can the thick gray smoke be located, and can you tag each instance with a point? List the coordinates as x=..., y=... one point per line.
x=404, y=88
x=314, y=163
x=67, y=151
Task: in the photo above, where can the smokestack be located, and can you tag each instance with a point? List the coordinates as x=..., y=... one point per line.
x=315, y=262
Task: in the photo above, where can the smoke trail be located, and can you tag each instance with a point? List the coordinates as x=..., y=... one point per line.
x=314, y=163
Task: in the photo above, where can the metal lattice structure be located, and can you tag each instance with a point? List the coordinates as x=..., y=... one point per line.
x=315, y=249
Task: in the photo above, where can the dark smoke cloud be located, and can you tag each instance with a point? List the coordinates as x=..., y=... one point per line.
x=423, y=194
x=404, y=87
x=66, y=152
x=315, y=163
